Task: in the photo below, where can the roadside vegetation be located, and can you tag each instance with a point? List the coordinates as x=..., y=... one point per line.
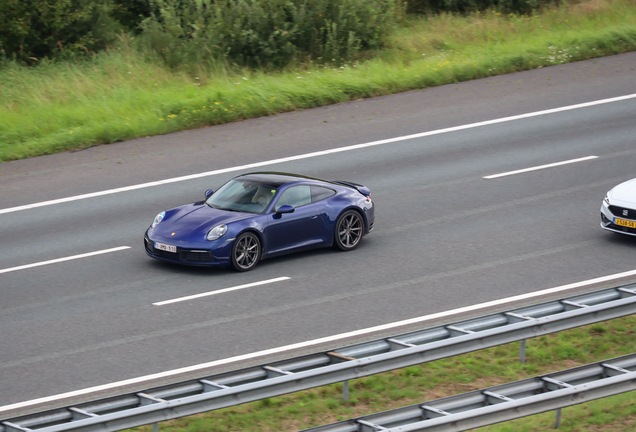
x=156, y=80
x=442, y=378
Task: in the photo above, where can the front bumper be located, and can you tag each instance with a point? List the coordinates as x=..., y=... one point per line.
x=210, y=254
x=609, y=213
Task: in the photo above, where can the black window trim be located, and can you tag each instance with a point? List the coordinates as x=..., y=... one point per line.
x=323, y=187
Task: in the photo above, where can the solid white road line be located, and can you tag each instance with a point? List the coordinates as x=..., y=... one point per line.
x=59, y=260
x=317, y=341
x=540, y=167
x=205, y=294
x=316, y=154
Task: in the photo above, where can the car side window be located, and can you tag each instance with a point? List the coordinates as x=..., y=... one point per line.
x=295, y=196
x=319, y=193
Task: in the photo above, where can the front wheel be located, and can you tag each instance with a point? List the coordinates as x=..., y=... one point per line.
x=246, y=252
x=349, y=230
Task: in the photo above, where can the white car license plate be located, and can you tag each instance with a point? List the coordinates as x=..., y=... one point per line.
x=165, y=247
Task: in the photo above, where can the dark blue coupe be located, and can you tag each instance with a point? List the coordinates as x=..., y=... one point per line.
x=261, y=215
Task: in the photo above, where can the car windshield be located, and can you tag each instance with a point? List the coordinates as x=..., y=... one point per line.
x=242, y=195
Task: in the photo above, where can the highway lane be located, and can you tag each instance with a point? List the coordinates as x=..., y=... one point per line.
x=445, y=238
x=173, y=155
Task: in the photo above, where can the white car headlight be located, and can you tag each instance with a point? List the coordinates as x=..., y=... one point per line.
x=158, y=219
x=217, y=232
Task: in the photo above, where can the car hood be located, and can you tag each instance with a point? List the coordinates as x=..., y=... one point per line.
x=624, y=194
x=195, y=220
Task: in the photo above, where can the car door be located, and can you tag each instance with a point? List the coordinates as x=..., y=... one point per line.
x=293, y=230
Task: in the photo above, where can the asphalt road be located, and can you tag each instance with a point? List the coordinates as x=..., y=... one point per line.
x=445, y=236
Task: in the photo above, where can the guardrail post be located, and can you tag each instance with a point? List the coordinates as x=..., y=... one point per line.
x=557, y=422
x=522, y=351
x=155, y=427
x=345, y=390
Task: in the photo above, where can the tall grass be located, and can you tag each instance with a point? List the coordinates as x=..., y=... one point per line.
x=122, y=93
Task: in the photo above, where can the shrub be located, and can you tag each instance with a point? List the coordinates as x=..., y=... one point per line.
x=31, y=30
x=130, y=13
x=266, y=33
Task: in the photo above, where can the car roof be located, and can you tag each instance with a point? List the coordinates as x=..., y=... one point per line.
x=277, y=179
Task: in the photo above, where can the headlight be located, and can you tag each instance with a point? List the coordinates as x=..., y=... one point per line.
x=158, y=219
x=217, y=232
x=606, y=199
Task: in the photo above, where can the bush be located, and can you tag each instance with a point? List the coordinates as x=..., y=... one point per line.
x=266, y=33
x=31, y=30
x=130, y=13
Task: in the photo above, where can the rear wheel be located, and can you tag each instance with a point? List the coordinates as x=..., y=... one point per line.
x=349, y=230
x=246, y=252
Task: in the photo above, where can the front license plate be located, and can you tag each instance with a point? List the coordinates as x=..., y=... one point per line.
x=625, y=223
x=165, y=247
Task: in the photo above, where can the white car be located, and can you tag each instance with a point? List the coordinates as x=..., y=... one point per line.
x=618, y=211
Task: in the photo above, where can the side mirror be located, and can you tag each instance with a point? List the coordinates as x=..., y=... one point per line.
x=285, y=209
x=208, y=193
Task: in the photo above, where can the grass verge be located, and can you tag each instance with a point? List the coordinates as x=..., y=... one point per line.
x=119, y=95
x=446, y=377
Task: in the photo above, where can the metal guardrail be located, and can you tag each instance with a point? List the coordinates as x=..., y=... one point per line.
x=503, y=402
x=351, y=362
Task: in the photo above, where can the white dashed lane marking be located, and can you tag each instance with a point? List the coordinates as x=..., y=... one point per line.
x=540, y=167
x=210, y=293
x=59, y=260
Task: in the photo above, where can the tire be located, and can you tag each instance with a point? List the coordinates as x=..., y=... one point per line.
x=349, y=230
x=246, y=252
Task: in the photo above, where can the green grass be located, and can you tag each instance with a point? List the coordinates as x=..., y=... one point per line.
x=446, y=377
x=118, y=95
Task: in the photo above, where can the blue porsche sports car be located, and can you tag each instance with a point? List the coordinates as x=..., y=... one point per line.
x=261, y=215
